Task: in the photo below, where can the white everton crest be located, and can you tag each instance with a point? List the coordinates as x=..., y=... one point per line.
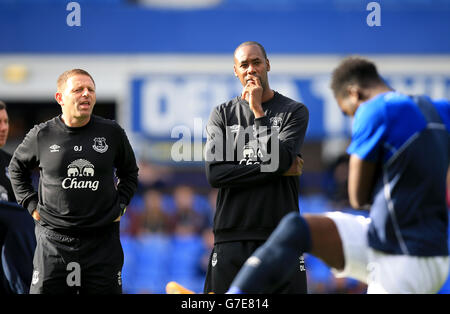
x=214, y=260
x=276, y=122
x=100, y=145
x=35, y=277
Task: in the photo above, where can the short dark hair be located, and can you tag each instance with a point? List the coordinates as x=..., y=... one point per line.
x=2, y=105
x=354, y=70
x=62, y=79
x=249, y=43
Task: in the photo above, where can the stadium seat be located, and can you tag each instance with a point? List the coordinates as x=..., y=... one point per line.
x=130, y=251
x=184, y=263
x=151, y=263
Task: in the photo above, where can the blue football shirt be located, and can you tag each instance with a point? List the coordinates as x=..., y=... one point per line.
x=409, y=139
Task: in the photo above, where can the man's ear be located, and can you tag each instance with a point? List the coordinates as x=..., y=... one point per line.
x=234, y=69
x=58, y=98
x=268, y=65
x=357, y=93
x=354, y=92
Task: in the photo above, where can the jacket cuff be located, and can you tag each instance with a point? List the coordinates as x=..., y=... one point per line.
x=32, y=204
x=123, y=203
x=263, y=121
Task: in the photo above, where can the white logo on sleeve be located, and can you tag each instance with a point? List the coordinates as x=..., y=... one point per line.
x=100, y=145
x=54, y=148
x=35, y=278
x=214, y=260
x=79, y=173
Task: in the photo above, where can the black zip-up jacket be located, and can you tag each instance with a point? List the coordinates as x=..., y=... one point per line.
x=77, y=186
x=246, y=159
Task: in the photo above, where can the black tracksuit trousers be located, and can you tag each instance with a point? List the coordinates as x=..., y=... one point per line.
x=85, y=263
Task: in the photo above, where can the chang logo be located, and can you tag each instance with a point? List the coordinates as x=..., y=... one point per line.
x=248, y=152
x=250, y=155
x=78, y=176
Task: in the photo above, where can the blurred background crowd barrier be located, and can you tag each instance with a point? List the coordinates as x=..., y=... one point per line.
x=160, y=66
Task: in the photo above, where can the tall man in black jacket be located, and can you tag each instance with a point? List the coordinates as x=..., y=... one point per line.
x=79, y=204
x=252, y=156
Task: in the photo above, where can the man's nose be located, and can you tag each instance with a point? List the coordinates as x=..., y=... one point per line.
x=85, y=92
x=251, y=69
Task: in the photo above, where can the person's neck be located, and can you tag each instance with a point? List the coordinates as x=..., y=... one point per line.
x=377, y=90
x=75, y=122
x=268, y=94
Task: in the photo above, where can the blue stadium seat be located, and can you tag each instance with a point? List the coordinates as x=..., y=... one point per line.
x=184, y=263
x=201, y=205
x=313, y=204
x=168, y=204
x=130, y=251
x=151, y=263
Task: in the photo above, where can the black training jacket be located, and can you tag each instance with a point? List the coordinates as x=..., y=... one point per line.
x=78, y=168
x=253, y=196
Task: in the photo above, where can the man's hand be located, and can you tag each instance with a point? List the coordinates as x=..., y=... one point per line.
x=252, y=93
x=36, y=215
x=296, y=168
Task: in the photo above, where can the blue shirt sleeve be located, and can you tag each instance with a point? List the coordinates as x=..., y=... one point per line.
x=368, y=130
